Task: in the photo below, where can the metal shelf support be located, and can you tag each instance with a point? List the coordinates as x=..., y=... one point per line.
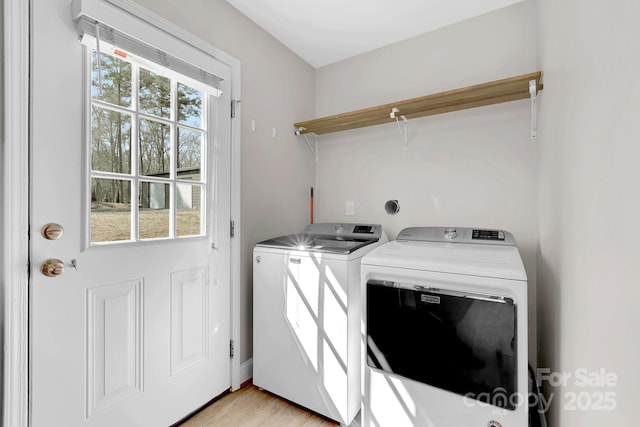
x=533, y=91
x=313, y=147
x=404, y=134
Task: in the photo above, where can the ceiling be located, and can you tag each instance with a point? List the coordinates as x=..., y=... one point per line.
x=326, y=31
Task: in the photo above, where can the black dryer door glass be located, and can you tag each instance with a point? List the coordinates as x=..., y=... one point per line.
x=461, y=343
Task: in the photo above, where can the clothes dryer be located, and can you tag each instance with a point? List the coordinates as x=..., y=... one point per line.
x=445, y=330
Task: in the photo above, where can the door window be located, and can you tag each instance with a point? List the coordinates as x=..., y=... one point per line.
x=148, y=150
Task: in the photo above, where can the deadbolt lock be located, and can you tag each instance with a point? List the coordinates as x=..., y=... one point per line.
x=52, y=231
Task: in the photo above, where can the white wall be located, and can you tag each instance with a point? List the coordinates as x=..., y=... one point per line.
x=2, y=214
x=475, y=168
x=588, y=276
x=277, y=89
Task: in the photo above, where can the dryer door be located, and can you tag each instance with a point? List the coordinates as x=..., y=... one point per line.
x=457, y=341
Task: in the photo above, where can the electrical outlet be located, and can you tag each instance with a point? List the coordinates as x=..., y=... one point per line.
x=351, y=208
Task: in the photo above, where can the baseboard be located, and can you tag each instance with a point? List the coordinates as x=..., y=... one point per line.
x=246, y=372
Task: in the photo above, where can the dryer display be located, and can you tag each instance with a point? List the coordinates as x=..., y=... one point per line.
x=459, y=342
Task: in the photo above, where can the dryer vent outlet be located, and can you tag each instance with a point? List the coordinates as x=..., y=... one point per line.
x=392, y=207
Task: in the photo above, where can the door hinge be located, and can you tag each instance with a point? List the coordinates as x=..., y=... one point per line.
x=233, y=229
x=231, y=349
x=234, y=103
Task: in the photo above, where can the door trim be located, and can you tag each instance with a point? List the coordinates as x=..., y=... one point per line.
x=15, y=198
x=15, y=214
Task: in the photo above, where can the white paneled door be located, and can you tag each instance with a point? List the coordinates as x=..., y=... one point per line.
x=134, y=327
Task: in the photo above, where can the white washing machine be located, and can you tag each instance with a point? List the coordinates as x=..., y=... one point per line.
x=306, y=316
x=445, y=330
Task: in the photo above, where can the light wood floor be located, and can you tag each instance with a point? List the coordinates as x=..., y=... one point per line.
x=252, y=407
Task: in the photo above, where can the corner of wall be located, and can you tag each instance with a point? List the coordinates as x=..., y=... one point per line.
x=3, y=204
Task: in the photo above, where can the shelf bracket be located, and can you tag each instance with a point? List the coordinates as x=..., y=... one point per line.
x=312, y=147
x=533, y=90
x=404, y=134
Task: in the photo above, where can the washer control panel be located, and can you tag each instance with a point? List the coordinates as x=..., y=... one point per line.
x=345, y=230
x=364, y=229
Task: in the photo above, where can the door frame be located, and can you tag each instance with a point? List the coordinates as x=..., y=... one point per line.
x=15, y=199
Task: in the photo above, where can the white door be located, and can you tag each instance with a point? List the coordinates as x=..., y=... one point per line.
x=135, y=330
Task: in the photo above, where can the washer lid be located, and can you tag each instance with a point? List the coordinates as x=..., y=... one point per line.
x=316, y=243
x=335, y=238
x=498, y=261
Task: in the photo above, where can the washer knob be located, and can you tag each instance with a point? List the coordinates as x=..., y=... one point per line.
x=450, y=233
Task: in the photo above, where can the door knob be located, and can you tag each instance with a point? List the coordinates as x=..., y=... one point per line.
x=52, y=267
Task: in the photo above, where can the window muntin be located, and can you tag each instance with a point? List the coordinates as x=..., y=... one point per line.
x=148, y=143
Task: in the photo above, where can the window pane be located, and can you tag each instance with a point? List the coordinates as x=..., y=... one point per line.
x=116, y=79
x=189, y=105
x=110, y=210
x=156, y=142
x=154, y=210
x=155, y=94
x=189, y=154
x=154, y=148
x=110, y=141
x=188, y=216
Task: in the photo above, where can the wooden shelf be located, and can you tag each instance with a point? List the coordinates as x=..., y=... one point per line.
x=505, y=90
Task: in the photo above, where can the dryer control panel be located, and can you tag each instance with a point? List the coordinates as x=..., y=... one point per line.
x=457, y=235
x=487, y=235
